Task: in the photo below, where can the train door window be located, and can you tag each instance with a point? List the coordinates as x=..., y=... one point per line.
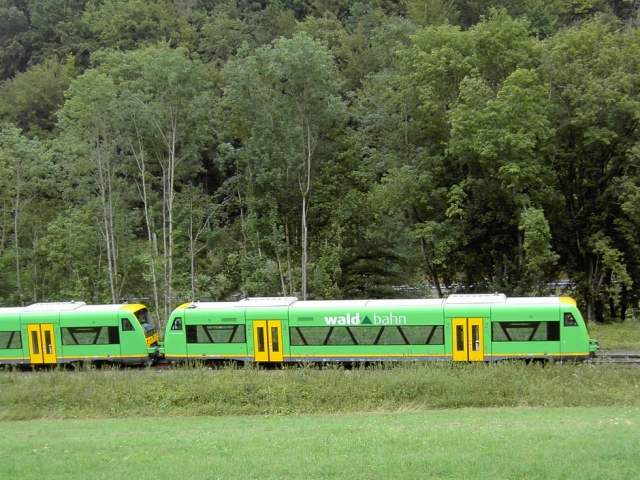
x=126, y=325
x=260, y=339
x=48, y=348
x=475, y=338
x=570, y=320
x=275, y=344
x=35, y=342
x=177, y=324
x=460, y=338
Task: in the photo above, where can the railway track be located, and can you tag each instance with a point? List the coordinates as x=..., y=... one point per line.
x=618, y=358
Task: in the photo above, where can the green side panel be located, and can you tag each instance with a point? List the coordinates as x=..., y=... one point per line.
x=524, y=313
x=360, y=319
x=220, y=318
x=77, y=320
x=175, y=343
x=12, y=335
x=575, y=339
x=132, y=343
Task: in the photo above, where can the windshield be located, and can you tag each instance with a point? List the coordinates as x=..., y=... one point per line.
x=143, y=317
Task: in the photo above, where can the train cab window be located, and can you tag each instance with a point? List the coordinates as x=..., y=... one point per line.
x=126, y=325
x=570, y=320
x=177, y=324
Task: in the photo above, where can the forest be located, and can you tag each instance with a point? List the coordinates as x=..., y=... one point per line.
x=167, y=151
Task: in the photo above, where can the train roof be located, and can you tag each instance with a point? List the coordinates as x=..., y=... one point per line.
x=455, y=299
x=80, y=307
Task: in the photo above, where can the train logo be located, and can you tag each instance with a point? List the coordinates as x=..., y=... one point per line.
x=354, y=319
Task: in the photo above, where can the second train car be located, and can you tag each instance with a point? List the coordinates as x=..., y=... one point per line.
x=467, y=328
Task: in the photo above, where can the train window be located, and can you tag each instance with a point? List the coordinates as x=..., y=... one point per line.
x=525, y=331
x=310, y=335
x=90, y=336
x=365, y=335
x=142, y=315
x=570, y=320
x=424, y=334
x=215, y=334
x=177, y=324
x=296, y=337
x=127, y=326
x=391, y=336
x=9, y=340
x=374, y=335
x=339, y=336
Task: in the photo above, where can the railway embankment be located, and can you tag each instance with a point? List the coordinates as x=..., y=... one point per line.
x=114, y=393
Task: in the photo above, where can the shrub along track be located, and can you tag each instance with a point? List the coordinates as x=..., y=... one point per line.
x=198, y=391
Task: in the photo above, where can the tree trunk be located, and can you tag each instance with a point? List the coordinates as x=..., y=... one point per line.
x=192, y=252
x=304, y=247
x=153, y=251
x=305, y=187
x=165, y=246
x=102, y=187
x=16, y=238
x=289, y=265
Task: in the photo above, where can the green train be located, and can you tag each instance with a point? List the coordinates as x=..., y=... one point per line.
x=467, y=328
x=74, y=332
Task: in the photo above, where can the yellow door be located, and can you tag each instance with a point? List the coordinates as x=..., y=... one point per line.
x=468, y=340
x=35, y=344
x=459, y=339
x=476, y=340
x=48, y=343
x=267, y=340
x=275, y=340
x=260, y=341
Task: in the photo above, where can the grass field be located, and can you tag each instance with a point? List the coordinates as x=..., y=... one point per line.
x=617, y=336
x=250, y=391
x=512, y=443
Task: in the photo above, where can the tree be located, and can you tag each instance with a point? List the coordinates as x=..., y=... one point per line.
x=594, y=86
x=90, y=116
x=31, y=99
x=285, y=105
x=21, y=164
x=165, y=101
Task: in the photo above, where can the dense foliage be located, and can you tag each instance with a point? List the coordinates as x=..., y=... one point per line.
x=209, y=149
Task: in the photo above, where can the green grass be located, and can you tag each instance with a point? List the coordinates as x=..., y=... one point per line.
x=617, y=336
x=519, y=443
x=250, y=391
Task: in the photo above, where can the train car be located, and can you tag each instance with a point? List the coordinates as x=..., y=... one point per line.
x=74, y=332
x=468, y=328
